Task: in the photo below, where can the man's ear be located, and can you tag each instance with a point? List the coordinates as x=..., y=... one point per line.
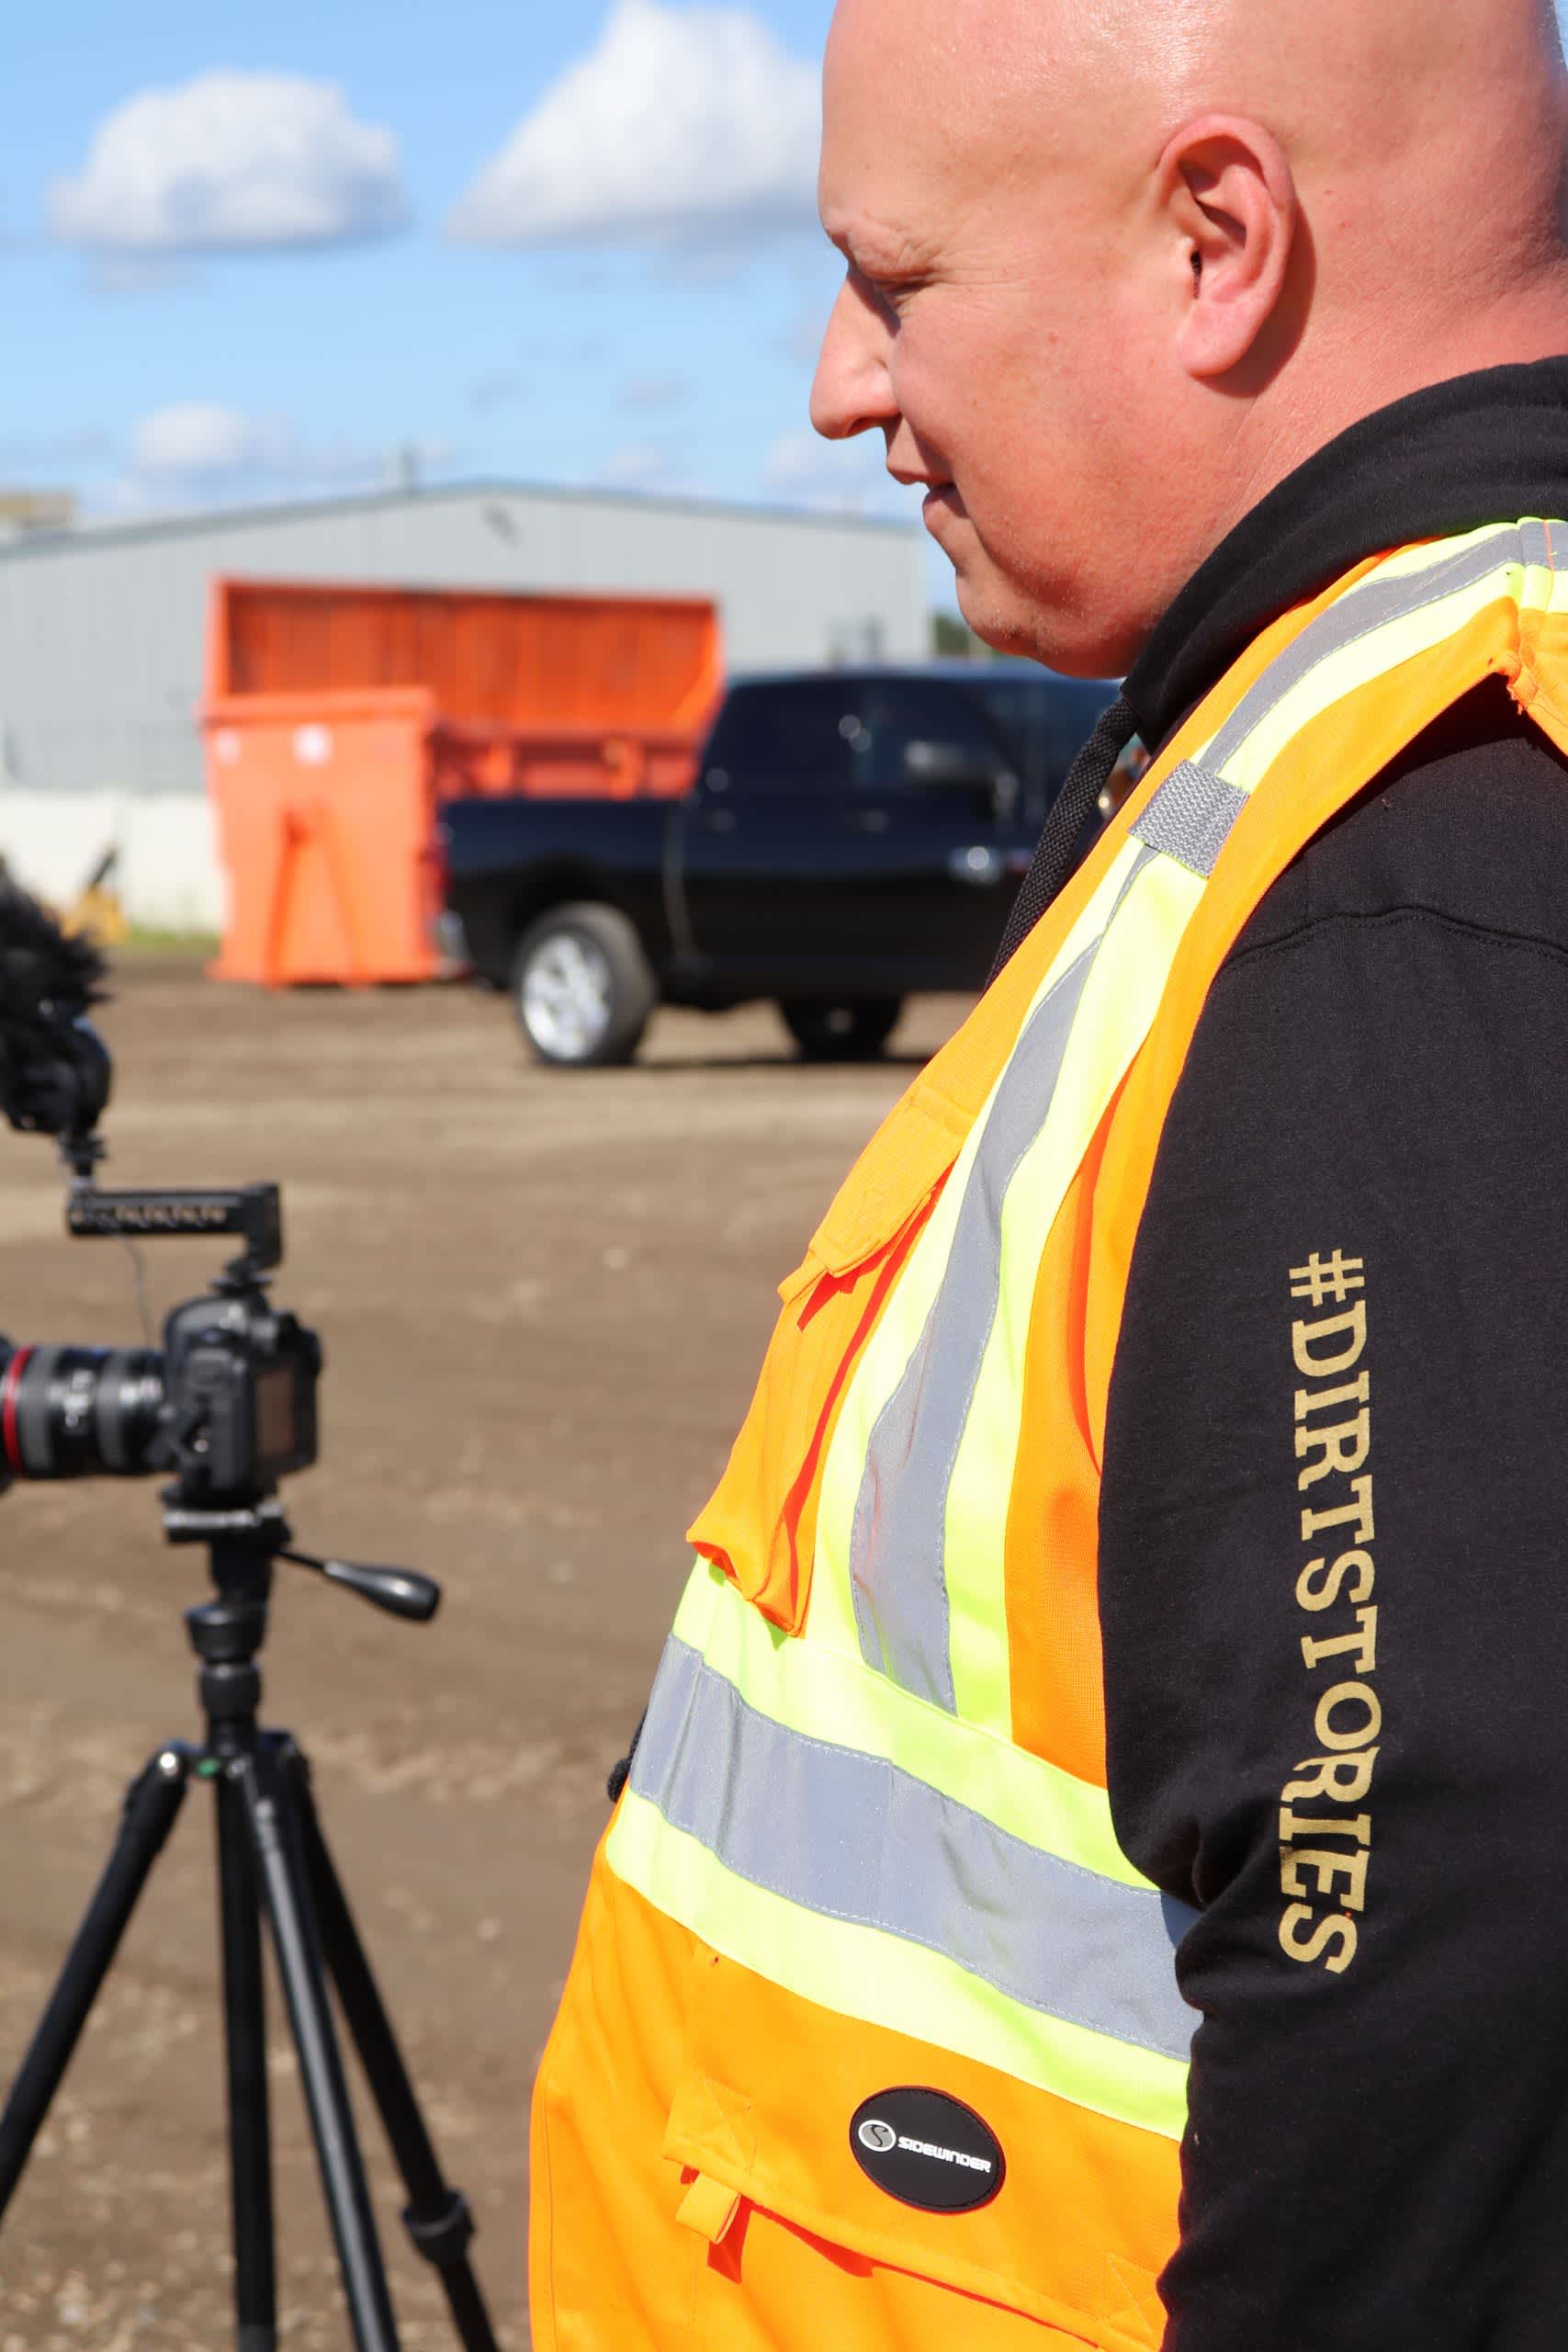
x=1225, y=188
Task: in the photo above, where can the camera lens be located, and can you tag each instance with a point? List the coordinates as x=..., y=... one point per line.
x=78, y=1412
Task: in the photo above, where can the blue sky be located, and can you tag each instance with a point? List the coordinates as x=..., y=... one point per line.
x=258, y=252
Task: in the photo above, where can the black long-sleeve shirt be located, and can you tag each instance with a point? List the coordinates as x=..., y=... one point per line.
x=1370, y=1144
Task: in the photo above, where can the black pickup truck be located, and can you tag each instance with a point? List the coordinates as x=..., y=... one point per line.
x=853, y=836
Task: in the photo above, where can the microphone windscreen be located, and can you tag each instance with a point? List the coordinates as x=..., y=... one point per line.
x=43, y=969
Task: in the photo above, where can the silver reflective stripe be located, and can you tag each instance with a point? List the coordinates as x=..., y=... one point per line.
x=1535, y=540
x=1190, y=815
x=1361, y=611
x=898, y=1540
x=851, y=1837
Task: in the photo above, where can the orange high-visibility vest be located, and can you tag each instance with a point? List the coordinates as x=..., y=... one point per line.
x=872, y=2041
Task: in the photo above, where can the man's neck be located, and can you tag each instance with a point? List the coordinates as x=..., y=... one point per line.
x=1372, y=371
x=1487, y=447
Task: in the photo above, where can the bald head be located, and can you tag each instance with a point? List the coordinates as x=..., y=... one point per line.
x=1440, y=123
x=1157, y=252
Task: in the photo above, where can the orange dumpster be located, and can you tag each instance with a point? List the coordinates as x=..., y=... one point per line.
x=337, y=719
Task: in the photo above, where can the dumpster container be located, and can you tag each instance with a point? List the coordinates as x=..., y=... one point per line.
x=337, y=719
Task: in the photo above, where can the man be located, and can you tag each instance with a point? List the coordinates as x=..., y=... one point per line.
x=1141, y=1566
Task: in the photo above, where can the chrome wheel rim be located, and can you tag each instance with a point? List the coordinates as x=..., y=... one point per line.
x=567, y=991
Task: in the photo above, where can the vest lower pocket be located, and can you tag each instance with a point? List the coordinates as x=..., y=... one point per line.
x=785, y=2222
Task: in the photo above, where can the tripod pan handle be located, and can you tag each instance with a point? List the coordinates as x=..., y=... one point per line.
x=401, y=1591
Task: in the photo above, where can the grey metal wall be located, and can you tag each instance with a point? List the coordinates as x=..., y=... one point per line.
x=102, y=633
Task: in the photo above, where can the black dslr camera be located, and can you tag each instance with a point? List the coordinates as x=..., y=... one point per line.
x=227, y=1406
x=226, y=1409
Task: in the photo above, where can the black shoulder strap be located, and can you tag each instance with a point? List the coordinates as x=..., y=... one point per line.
x=1070, y=812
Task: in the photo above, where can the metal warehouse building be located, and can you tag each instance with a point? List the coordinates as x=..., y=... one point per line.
x=102, y=636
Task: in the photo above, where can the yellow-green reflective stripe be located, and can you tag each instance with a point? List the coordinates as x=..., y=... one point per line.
x=831, y=1694
x=1409, y=563
x=1117, y=1008
x=893, y=1542
x=1393, y=593
x=864, y=1973
x=847, y=1835
x=1306, y=680
x=832, y=1617
x=898, y=1543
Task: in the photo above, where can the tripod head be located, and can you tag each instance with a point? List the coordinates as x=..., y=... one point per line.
x=244, y=1542
x=227, y=1632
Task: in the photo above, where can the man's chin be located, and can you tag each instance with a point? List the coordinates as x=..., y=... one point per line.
x=992, y=614
x=1010, y=620
x=943, y=515
x=984, y=599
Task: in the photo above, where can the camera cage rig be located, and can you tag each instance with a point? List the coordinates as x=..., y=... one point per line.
x=253, y=1211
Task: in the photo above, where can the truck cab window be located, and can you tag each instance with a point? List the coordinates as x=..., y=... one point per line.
x=1048, y=719
x=797, y=737
x=922, y=735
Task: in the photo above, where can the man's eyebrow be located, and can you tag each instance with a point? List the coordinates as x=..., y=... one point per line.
x=873, y=252
x=839, y=230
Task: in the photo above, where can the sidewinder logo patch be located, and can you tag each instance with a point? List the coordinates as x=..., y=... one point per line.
x=927, y=2150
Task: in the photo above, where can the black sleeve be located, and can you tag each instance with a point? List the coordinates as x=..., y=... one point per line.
x=1334, y=1586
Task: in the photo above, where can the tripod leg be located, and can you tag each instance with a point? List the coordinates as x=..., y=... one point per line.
x=275, y=1830
x=151, y=1804
x=244, y=2022
x=437, y=2217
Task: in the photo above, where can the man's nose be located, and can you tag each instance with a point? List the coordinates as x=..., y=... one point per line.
x=853, y=390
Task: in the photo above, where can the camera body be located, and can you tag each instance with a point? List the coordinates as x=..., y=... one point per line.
x=239, y=1409
x=225, y=1409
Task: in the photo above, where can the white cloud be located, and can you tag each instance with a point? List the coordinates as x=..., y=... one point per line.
x=687, y=128
x=232, y=162
x=195, y=441
x=835, y=477
x=197, y=453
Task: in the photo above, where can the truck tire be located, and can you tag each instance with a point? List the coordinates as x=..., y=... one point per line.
x=854, y=1030
x=581, y=987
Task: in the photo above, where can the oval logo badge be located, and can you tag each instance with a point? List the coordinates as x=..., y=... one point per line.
x=927, y=2150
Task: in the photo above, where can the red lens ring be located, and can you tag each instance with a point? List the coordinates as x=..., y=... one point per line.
x=14, y=1371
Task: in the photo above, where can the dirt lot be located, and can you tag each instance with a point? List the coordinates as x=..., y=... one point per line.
x=544, y=1299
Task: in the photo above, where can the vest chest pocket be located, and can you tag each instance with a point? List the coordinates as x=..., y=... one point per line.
x=785, y=2220
x=760, y=1526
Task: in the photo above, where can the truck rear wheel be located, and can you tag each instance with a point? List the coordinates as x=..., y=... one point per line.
x=582, y=987
x=853, y=1031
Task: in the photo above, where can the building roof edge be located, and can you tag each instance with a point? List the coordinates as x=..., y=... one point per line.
x=91, y=535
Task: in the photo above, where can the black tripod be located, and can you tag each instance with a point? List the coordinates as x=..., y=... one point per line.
x=272, y=1862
